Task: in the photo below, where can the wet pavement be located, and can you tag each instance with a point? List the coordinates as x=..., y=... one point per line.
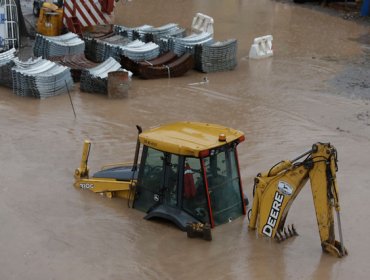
x=314, y=89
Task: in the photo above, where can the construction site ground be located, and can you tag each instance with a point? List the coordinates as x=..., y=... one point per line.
x=315, y=88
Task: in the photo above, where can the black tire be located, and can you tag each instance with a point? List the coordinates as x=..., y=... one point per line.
x=207, y=234
x=190, y=234
x=189, y=231
x=36, y=10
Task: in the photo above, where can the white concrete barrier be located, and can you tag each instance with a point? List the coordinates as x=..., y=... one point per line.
x=202, y=23
x=261, y=47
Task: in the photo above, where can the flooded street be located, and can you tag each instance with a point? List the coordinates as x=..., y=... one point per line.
x=316, y=88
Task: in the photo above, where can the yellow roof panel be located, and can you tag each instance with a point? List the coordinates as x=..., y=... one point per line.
x=188, y=138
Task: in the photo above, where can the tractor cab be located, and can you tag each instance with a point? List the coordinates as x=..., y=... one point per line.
x=189, y=172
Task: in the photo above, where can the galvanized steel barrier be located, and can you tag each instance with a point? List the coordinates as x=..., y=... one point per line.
x=100, y=49
x=6, y=64
x=175, y=68
x=148, y=33
x=40, y=78
x=218, y=56
x=76, y=62
x=95, y=80
x=135, y=66
x=48, y=46
x=186, y=45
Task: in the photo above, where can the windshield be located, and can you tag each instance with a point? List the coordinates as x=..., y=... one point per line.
x=194, y=199
x=224, y=185
x=150, y=179
x=207, y=189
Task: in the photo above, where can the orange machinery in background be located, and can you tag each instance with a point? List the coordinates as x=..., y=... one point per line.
x=75, y=16
x=50, y=22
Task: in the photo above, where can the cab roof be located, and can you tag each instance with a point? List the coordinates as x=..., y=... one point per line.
x=188, y=138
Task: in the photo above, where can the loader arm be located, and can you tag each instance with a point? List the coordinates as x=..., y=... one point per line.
x=115, y=180
x=275, y=191
x=83, y=170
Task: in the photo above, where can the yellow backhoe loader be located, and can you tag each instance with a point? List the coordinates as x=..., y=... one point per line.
x=189, y=174
x=275, y=191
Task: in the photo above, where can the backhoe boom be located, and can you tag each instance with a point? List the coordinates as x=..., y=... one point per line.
x=275, y=191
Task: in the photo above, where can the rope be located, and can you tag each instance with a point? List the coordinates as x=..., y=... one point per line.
x=168, y=71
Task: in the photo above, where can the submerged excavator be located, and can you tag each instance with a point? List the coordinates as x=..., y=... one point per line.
x=189, y=174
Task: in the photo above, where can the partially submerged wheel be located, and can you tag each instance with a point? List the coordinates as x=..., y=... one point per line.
x=207, y=235
x=199, y=230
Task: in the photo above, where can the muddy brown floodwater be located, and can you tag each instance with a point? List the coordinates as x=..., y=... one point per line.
x=315, y=88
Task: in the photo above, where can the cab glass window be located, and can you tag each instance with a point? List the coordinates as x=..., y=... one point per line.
x=194, y=199
x=149, y=185
x=224, y=185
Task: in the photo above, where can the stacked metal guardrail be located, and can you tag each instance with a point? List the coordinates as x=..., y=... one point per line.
x=40, y=78
x=91, y=43
x=137, y=52
x=135, y=66
x=95, y=80
x=76, y=62
x=148, y=33
x=48, y=46
x=175, y=68
x=162, y=40
x=110, y=47
x=218, y=56
x=153, y=34
x=100, y=49
x=165, y=66
x=131, y=32
x=6, y=64
x=186, y=45
x=116, y=45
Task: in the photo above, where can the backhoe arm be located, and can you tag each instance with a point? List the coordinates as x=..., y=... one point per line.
x=275, y=191
x=83, y=170
x=325, y=197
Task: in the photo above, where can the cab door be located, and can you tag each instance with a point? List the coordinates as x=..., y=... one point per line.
x=194, y=198
x=150, y=180
x=157, y=180
x=171, y=180
x=224, y=185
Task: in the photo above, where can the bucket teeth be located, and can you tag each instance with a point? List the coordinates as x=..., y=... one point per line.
x=285, y=233
x=295, y=233
x=282, y=232
x=282, y=235
x=278, y=237
x=290, y=231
